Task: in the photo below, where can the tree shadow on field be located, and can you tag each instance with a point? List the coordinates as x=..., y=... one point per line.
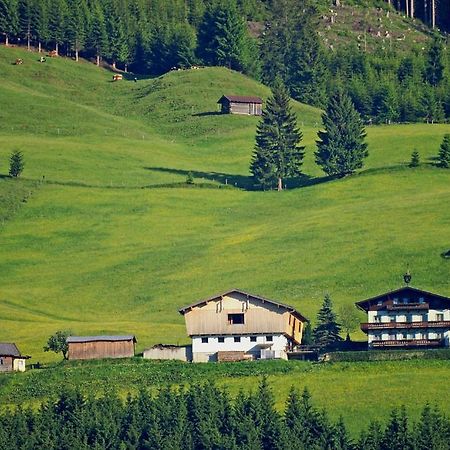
x=240, y=181
x=208, y=113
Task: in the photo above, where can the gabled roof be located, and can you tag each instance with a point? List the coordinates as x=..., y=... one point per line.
x=8, y=349
x=80, y=339
x=292, y=310
x=365, y=304
x=240, y=99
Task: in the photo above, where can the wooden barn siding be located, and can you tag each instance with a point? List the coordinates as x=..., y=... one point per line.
x=245, y=108
x=101, y=349
x=7, y=365
x=260, y=318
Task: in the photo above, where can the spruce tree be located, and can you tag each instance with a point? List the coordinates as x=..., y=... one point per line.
x=277, y=154
x=434, y=70
x=327, y=330
x=76, y=26
x=9, y=19
x=97, y=35
x=444, y=153
x=341, y=147
x=415, y=159
x=16, y=164
x=57, y=22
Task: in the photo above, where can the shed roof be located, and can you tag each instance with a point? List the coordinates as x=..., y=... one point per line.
x=185, y=309
x=80, y=339
x=365, y=304
x=240, y=99
x=8, y=349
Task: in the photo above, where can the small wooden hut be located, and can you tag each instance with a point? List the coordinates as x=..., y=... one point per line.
x=98, y=347
x=10, y=358
x=235, y=104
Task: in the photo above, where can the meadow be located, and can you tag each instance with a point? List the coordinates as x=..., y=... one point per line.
x=102, y=236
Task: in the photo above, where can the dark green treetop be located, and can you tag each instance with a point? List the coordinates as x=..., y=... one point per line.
x=444, y=153
x=341, y=147
x=277, y=153
x=327, y=329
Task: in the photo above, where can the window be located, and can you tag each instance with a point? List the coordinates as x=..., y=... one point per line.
x=405, y=300
x=380, y=302
x=421, y=300
x=237, y=339
x=235, y=319
x=439, y=317
x=221, y=339
x=395, y=301
x=252, y=338
x=204, y=340
x=392, y=318
x=1, y=361
x=269, y=338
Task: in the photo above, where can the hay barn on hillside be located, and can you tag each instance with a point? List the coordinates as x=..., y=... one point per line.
x=235, y=104
x=98, y=347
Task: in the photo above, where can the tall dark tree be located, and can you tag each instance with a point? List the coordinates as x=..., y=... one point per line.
x=277, y=153
x=327, y=330
x=57, y=22
x=434, y=70
x=444, y=153
x=26, y=20
x=40, y=22
x=341, y=148
x=9, y=19
x=76, y=26
x=97, y=34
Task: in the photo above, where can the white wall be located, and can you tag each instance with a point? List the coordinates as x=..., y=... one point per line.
x=207, y=351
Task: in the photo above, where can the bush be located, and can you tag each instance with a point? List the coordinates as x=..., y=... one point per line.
x=388, y=355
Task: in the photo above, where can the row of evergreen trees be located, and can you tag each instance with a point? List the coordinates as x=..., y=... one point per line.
x=153, y=36
x=204, y=417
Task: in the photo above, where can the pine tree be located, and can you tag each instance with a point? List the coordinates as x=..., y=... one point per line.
x=57, y=23
x=16, y=164
x=76, y=26
x=118, y=45
x=9, y=19
x=307, y=338
x=97, y=35
x=25, y=20
x=341, y=148
x=40, y=22
x=327, y=330
x=444, y=153
x=434, y=70
x=307, y=67
x=432, y=107
x=396, y=435
x=277, y=154
x=415, y=159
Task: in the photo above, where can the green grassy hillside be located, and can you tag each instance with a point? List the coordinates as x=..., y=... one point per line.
x=112, y=241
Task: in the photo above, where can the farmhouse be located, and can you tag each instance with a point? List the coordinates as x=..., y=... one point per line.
x=237, y=325
x=235, y=104
x=10, y=358
x=97, y=347
x=407, y=318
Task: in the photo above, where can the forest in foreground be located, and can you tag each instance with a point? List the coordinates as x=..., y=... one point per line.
x=205, y=417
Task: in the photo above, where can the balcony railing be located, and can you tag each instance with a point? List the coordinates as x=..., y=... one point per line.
x=407, y=343
x=404, y=325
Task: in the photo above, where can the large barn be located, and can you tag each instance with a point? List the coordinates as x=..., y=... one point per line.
x=235, y=104
x=237, y=325
x=98, y=347
x=11, y=359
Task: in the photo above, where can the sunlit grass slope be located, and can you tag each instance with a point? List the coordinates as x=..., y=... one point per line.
x=95, y=250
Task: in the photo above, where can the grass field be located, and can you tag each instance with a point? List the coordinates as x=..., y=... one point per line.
x=99, y=246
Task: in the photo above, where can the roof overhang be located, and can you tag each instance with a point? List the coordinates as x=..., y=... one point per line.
x=364, y=305
x=85, y=339
x=288, y=308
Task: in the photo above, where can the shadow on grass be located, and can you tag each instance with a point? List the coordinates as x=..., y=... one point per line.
x=241, y=181
x=208, y=113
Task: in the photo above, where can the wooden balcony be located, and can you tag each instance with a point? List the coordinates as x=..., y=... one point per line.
x=407, y=306
x=404, y=325
x=408, y=343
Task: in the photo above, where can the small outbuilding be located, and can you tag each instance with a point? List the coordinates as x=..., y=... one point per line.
x=10, y=358
x=236, y=104
x=99, y=347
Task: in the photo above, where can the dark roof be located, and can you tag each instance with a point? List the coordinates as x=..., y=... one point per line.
x=127, y=337
x=7, y=349
x=257, y=297
x=364, y=304
x=240, y=99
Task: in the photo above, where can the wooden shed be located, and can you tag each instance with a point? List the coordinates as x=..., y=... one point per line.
x=98, y=347
x=235, y=104
x=10, y=358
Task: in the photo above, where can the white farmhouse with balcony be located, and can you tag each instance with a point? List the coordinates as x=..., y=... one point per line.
x=407, y=318
x=236, y=325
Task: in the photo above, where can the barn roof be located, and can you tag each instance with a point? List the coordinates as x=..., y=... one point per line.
x=8, y=349
x=248, y=295
x=365, y=304
x=240, y=99
x=80, y=339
